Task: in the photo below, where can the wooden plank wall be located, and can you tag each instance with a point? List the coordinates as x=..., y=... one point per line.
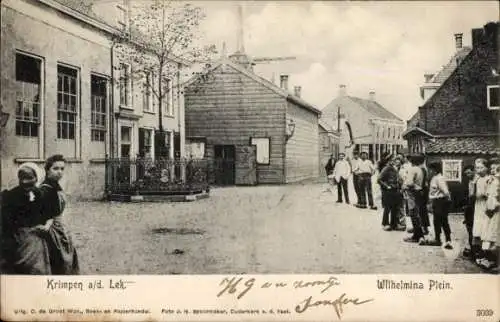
x=230, y=108
x=302, y=149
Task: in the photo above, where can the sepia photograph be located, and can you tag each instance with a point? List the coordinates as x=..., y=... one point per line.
x=253, y=137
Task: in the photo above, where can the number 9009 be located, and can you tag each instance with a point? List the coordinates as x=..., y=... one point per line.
x=484, y=312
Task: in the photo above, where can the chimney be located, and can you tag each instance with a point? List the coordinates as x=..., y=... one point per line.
x=371, y=95
x=342, y=90
x=297, y=90
x=428, y=77
x=458, y=41
x=284, y=82
x=477, y=37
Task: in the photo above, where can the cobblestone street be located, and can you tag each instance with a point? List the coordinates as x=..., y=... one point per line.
x=267, y=229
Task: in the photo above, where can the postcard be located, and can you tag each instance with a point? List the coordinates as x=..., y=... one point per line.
x=249, y=161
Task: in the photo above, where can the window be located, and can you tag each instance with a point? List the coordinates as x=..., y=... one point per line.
x=28, y=91
x=145, y=143
x=125, y=85
x=122, y=19
x=452, y=170
x=147, y=100
x=98, y=92
x=197, y=149
x=263, y=149
x=168, y=98
x=493, y=92
x=67, y=102
x=125, y=141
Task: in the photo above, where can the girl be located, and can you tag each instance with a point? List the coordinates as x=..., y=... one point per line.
x=23, y=227
x=489, y=234
x=481, y=167
x=439, y=195
x=63, y=255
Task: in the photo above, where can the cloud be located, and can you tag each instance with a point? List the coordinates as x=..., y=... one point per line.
x=384, y=46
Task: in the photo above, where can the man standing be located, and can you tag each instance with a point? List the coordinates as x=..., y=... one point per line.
x=391, y=194
x=365, y=169
x=413, y=188
x=330, y=165
x=341, y=173
x=403, y=172
x=355, y=175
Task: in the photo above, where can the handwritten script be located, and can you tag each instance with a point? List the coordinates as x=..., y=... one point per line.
x=241, y=286
x=337, y=304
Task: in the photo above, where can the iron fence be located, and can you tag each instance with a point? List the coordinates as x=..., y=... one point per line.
x=160, y=176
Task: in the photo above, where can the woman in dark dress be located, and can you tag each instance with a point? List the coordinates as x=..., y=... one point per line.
x=24, y=233
x=62, y=253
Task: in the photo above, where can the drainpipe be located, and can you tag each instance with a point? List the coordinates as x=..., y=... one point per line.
x=112, y=103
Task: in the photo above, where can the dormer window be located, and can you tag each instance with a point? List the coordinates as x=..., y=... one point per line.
x=492, y=94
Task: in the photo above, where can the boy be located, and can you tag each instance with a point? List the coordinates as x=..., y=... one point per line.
x=470, y=200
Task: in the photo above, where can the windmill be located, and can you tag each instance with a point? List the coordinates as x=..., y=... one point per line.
x=240, y=54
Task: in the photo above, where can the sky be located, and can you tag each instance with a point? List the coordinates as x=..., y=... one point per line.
x=386, y=47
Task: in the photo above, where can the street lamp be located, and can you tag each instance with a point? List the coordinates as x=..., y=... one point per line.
x=290, y=128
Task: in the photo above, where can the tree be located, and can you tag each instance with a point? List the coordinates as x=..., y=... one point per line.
x=162, y=37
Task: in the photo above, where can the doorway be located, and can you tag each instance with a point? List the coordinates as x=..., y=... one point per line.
x=224, y=164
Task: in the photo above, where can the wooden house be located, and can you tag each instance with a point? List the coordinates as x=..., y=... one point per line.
x=256, y=131
x=460, y=121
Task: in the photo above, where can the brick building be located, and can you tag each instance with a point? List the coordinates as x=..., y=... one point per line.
x=366, y=126
x=232, y=109
x=460, y=121
x=57, y=75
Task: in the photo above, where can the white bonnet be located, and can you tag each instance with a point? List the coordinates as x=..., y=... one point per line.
x=40, y=173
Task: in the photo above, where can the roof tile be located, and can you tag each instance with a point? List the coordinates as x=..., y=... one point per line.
x=465, y=145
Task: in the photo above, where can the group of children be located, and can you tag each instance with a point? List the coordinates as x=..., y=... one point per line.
x=411, y=189
x=482, y=212
x=421, y=196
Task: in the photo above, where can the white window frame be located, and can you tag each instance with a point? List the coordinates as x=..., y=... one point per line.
x=128, y=85
x=445, y=165
x=488, y=97
x=262, y=159
x=41, y=99
x=76, y=137
x=92, y=125
x=133, y=136
x=151, y=140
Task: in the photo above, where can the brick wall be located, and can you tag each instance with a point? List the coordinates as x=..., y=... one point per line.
x=460, y=105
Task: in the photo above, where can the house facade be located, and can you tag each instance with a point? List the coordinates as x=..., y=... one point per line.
x=58, y=87
x=460, y=121
x=329, y=141
x=432, y=81
x=258, y=132
x=365, y=125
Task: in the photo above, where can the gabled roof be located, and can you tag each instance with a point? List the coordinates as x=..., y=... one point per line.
x=416, y=130
x=448, y=69
x=264, y=82
x=375, y=109
x=485, y=145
